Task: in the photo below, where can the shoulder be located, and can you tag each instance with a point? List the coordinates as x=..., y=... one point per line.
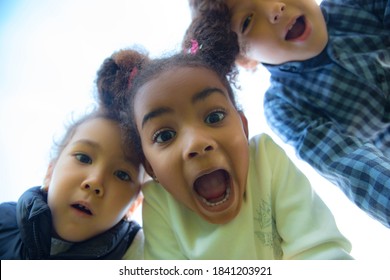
x=263, y=147
x=153, y=192
x=275, y=167
x=353, y=10
x=5, y=207
x=9, y=231
x=157, y=202
x=136, y=249
x=32, y=203
x=268, y=161
x=261, y=140
x=7, y=214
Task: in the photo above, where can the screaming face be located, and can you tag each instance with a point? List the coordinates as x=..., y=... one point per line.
x=195, y=141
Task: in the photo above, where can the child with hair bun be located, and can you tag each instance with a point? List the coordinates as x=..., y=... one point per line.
x=215, y=194
x=82, y=210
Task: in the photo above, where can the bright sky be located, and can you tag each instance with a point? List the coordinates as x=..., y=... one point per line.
x=50, y=52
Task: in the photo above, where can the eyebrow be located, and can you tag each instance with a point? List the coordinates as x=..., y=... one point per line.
x=196, y=98
x=155, y=113
x=86, y=142
x=206, y=93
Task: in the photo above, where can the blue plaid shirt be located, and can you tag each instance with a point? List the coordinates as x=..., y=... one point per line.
x=335, y=108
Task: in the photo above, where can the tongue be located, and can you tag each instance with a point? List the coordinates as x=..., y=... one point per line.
x=297, y=30
x=212, y=187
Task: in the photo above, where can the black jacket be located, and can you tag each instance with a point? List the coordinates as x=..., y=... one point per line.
x=26, y=227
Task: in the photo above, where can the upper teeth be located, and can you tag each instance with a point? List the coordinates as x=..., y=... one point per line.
x=291, y=26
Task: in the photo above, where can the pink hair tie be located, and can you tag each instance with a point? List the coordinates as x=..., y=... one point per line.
x=133, y=73
x=194, y=47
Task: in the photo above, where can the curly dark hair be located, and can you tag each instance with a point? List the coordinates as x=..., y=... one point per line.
x=113, y=78
x=211, y=29
x=201, y=6
x=213, y=18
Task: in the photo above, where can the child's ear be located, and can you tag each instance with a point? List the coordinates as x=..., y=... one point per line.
x=244, y=124
x=246, y=63
x=47, y=179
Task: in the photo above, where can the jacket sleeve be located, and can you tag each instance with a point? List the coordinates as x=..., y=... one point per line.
x=305, y=224
x=10, y=240
x=379, y=8
x=359, y=169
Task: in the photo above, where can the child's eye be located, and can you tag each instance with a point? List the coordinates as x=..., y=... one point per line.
x=122, y=175
x=246, y=23
x=163, y=136
x=215, y=117
x=83, y=158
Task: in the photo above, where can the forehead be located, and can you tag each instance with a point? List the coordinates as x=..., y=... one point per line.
x=237, y=7
x=181, y=79
x=107, y=135
x=233, y=4
x=98, y=126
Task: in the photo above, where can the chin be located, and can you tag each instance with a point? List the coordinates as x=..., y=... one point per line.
x=222, y=216
x=73, y=235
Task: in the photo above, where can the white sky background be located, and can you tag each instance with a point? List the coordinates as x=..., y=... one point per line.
x=49, y=54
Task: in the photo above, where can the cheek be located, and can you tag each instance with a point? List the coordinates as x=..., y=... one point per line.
x=266, y=53
x=167, y=176
x=123, y=196
x=59, y=184
x=243, y=168
x=73, y=174
x=118, y=205
x=240, y=160
x=162, y=161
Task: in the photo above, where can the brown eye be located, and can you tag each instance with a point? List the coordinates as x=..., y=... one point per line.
x=215, y=117
x=164, y=136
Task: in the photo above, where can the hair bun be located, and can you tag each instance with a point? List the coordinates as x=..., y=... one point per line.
x=211, y=29
x=113, y=78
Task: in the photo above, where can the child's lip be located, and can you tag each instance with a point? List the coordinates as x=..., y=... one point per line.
x=301, y=36
x=83, y=207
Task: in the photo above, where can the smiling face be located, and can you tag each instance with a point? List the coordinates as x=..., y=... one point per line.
x=275, y=32
x=195, y=141
x=92, y=184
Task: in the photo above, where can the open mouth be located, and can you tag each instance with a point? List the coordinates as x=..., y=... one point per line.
x=82, y=208
x=213, y=188
x=297, y=29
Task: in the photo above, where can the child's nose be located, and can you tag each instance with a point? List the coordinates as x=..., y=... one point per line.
x=198, y=144
x=95, y=186
x=276, y=12
x=200, y=150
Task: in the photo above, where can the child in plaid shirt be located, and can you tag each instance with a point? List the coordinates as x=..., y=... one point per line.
x=330, y=83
